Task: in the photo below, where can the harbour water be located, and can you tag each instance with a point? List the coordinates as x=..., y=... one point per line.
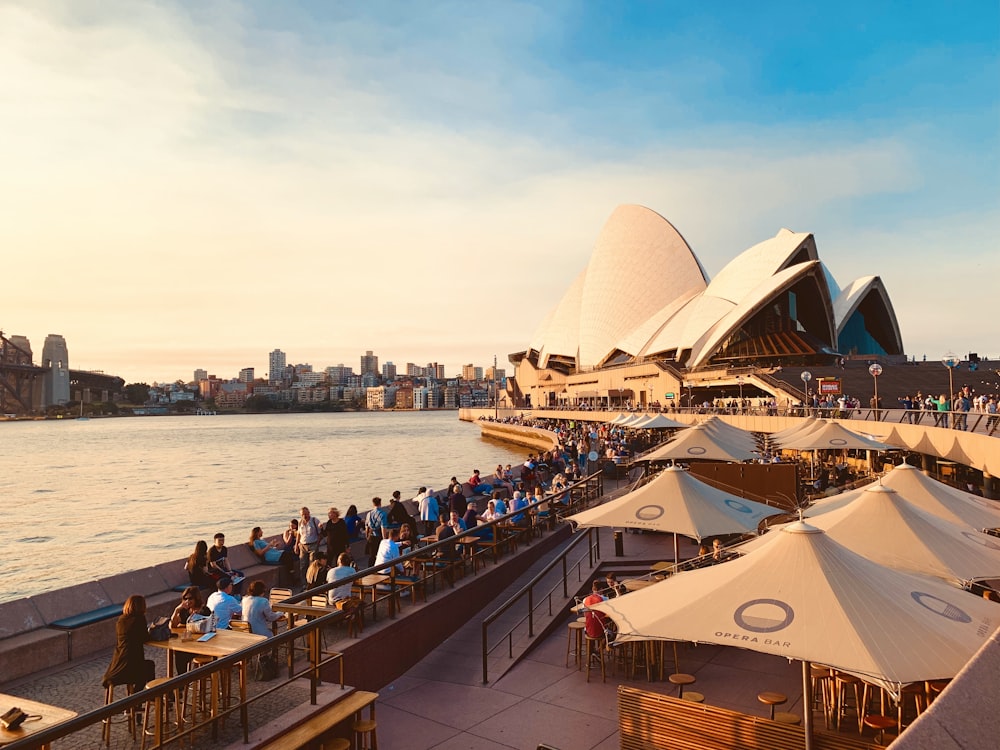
x=84, y=500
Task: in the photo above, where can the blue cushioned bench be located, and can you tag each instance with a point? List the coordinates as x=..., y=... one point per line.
x=87, y=618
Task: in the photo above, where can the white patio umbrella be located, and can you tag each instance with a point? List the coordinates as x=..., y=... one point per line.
x=657, y=422
x=698, y=442
x=733, y=434
x=881, y=525
x=804, y=596
x=675, y=501
x=617, y=418
x=631, y=419
x=941, y=500
x=830, y=434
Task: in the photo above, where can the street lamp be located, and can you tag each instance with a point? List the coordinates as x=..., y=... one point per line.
x=875, y=369
x=951, y=361
x=806, y=377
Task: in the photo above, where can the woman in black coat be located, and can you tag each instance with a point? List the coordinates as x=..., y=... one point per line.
x=128, y=663
x=337, y=536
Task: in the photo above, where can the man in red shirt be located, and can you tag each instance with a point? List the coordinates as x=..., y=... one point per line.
x=596, y=624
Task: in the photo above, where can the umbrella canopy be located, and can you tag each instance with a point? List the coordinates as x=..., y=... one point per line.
x=698, y=442
x=734, y=435
x=882, y=526
x=805, y=425
x=676, y=501
x=631, y=419
x=617, y=418
x=939, y=499
x=657, y=422
x=829, y=434
x=804, y=596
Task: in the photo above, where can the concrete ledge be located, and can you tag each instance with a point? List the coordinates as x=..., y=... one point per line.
x=146, y=582
x=84, y=597
x=32, y=652
x=19, y=616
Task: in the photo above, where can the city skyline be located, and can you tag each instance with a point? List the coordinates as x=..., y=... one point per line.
x=190, y=186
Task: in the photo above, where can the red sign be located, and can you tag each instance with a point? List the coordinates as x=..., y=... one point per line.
x=830, y=386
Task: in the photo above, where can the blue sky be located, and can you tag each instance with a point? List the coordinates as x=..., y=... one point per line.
x=192, y=185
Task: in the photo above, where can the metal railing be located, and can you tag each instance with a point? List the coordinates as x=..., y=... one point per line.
x=532, y=599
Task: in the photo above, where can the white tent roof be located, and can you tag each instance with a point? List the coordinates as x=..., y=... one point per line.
x=698, y=442
x=806, y=425
x=676, y=501
x=617, y=418
x=941, y=500
x=881, y=525
x=732, y=434
x=657, y=422
x=803, y=596
x=829, y=434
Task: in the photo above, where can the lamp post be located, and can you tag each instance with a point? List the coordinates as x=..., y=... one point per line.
x=806, y=377
x=875, y=369
x=951, y=361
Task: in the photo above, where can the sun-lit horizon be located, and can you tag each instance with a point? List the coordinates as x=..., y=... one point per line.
x=189, y=187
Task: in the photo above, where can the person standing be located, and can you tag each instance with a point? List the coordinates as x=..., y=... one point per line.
x=309, y=536
x=429, y=510
x=337, y=537
x=376, y=522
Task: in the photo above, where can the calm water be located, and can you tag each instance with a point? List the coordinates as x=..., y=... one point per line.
x=84, y=500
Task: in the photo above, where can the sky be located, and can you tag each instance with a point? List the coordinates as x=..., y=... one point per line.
x=191, y=185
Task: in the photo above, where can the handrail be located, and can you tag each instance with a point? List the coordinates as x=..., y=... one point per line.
x=528, y=590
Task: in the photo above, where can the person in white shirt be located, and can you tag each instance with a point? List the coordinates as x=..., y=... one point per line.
x=429, y=510
x=388, y=550
x=223, y=604
x=257, y=610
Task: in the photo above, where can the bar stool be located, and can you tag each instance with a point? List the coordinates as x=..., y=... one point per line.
x=680, y=680
x=694, y=697
x=771, y=700
x=783, y=717
x=160, y=711
x=109, y=698
x=335, y=743
x=365, y=734
x=879, y=724
x=844, y=684
x=822, y=688
x=201, y=701
x=595, y=647
x=574, y=637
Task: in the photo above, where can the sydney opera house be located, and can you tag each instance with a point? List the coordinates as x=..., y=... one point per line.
x=643, y=321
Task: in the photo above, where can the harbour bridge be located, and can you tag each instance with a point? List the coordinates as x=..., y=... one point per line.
x=21, y=381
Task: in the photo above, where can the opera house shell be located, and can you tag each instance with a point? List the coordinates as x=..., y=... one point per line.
x=644, y=297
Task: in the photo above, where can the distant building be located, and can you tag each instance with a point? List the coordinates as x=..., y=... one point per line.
x=404, y=397
x=388, y=372
x=246, y=375
x=468, y=372
x=414, y=371
x=55, y=382
x=199, y=375
x=276, y=366
x=375, y=397
x=369, y=364
x=339, y=374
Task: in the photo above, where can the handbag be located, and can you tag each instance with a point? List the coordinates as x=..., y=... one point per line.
x=159, y=629
x=199, y=624
x=264, y=667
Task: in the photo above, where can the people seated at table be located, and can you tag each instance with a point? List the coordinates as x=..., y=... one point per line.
x=257, y=610
x=337, y=536
x=471, y=517
x=388, y=550
x=129, y=665
x=446, y=533
x=223, y=604
x=344, y=569
x=191, y=604
x=317, y=570
x=456, y=523
x=197, y=567
x=518, y=504
x=406, y=538
x=491, y=513
x=218, y=563
x=612, y=587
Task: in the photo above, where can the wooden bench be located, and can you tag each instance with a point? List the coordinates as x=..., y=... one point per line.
x=305, y=733
x=651, y=720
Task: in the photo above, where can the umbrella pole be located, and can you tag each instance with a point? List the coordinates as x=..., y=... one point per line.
x=807, y=704
x=677, y=556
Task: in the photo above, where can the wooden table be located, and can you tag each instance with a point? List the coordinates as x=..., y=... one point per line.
x=50, y=716
x=224, y=643
x=371, y=582
x=634, y=584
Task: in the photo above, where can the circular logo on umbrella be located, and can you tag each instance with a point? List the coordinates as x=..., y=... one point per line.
x=838, y=441
x=649, y=512
x=940, y=607
x=764, y=615
x=696, y=450
x=981, y=539
x=738, y=506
